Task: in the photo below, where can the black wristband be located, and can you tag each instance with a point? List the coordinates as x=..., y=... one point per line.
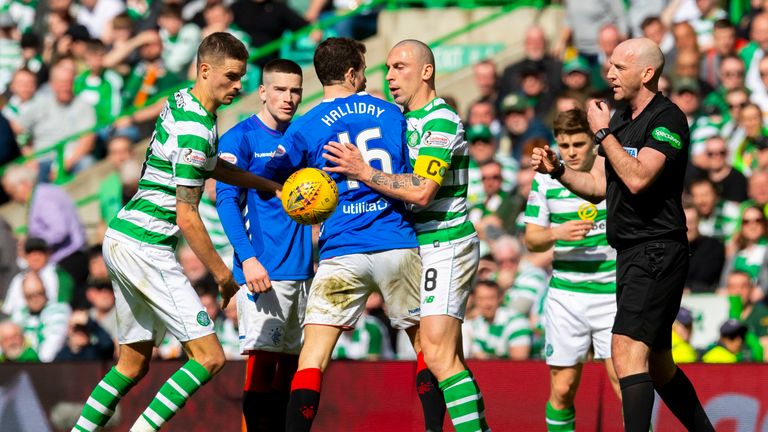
x=558, y=171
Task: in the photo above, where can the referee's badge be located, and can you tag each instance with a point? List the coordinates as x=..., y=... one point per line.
x=587, y=211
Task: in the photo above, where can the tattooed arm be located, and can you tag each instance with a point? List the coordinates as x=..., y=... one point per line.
x=193, y=230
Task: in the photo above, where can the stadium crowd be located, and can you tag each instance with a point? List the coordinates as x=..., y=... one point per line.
x=97, y=65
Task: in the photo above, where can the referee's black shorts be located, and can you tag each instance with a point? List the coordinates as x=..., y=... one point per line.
x=650, y=278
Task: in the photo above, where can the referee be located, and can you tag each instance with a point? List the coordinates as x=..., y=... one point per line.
x=642, y=159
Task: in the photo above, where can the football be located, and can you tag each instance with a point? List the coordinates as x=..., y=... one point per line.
x=309, y=196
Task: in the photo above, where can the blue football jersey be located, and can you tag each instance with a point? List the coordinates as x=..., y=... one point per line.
x=255, y=222
x=364, y=220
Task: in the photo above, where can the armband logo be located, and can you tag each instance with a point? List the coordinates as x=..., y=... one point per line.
x=665, y=135
x=229, y=157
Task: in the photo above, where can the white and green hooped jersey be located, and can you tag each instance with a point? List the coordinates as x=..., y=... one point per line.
x=436, y=131
x=588, y=265
x=182, y=151
x=508, y=329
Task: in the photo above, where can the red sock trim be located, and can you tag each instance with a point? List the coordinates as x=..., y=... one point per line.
x=308, y=379
x=260, y=371
x=420, y=363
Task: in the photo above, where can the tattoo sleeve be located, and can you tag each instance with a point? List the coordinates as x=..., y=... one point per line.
x=397, y=181
x=189, y=195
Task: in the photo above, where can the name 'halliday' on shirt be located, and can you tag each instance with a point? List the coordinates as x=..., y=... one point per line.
x=351, y=108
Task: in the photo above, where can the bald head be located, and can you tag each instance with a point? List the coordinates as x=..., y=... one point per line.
x=759, y=30
x=421, y=52
x=644, y=53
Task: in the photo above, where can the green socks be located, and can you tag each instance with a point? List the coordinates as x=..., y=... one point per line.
x=103, y=400
x=464, y=402
x=561, y=420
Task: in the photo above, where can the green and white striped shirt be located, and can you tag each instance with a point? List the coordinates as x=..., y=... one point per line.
x=435, y=131
x=10, y=61
x=46, y=332
x=496, y=338
x=102, y=92
x=723, y=221
x=182, y=151
x=509, y=170
x=588, y=265
x=369, y=339
x=212, y=223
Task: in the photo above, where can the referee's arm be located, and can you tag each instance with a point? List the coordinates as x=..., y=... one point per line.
x=636, y=173
x=589, y=185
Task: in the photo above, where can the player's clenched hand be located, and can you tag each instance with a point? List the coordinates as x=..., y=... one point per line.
x=256, y=276
x=573, y=230
x=227, y=288
x=347, y=158
x=544, y=160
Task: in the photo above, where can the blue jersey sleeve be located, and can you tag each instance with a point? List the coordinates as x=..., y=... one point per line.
x=234, y=148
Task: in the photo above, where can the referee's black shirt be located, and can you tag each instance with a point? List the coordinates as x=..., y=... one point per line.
x=657, y=212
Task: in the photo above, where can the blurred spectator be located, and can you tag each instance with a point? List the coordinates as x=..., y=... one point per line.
x=506, y=251
x=709, y=12
x=102, y=299
x=44, y=322
x=717, y=218
x=86, y=340
x=658, y=32
x=369, y=340
x=576, y=77
x=31, y=53
x=757, y=189
x=730, y=76
x=685, y=94
x=497, y=333
x=682, y=328
x=535, y=50
x=755, y=50
x=638, y=12
x=731, y=183
x=13, y=347
x=486, y=80
x=9, y=149
x=219, y=18
x=687, y=64
x=99, y=87
x=533, y=86
x=759, y=94
x=685, y=40
x=22, y=89
x=520, y=125
x=52, y=216
x=483, y=112
x=58, y=284
x=729, y=346
x=526, y=296
x=10, y=49
x=745, y=307
x=265, y=21
x=707, y=256
x=483, y=149
x=121, y=44
x=745, y=155
x=495, y=199
x=747, y=250
x=111, y=197
x=65, y=38
x=59, y=117
x=608, y=38
x=583, y=21
x=180, y=40
x=194, y=269
x=96, y=15
x=8, y=257
x=736, y=99
x=723, y=46
x=149, y=78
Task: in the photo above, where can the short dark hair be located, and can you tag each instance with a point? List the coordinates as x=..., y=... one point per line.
x=95, y=46
x=572, y=122
x=219, y=46
x=170, y=10
x=703, y=179
x=723, y=23
x=648, y=21
x=281, y=66
x=333, y=58
x=489, y=283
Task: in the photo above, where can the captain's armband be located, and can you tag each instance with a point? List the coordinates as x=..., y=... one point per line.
x=431, y=168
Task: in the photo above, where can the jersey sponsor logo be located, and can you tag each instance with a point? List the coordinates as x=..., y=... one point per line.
x=365, y=207
x=179, y=99
x=203, y=319
x=665, y=135
x=436, y=140
x=229, y=157
x=587, y=211
x=195, y=157
x=264, y=155
x=631, y=151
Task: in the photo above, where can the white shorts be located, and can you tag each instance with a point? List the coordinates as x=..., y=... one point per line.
x=575, y=321
x=342, y=285
x=448, y=275
x=272, y=321
x=152, y=294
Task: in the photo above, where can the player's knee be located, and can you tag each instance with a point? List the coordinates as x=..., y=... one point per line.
x=213, y=362
x=135, y=370
x=563, y=393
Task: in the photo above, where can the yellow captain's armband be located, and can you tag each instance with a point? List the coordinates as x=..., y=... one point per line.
x=431, y=168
